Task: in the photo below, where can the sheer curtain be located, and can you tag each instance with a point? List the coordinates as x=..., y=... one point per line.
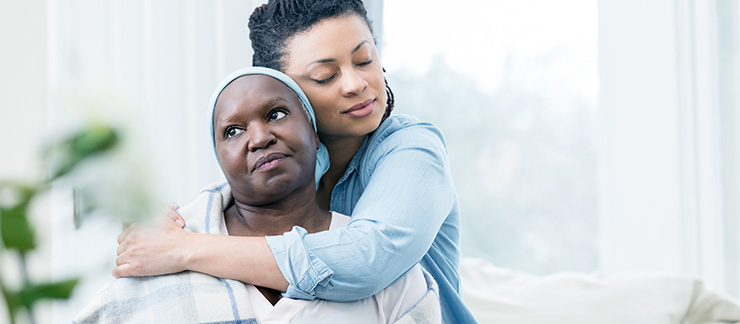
x=728, y=13
x=668, y=179
x=150, y=66
x=513, y=86
x=551, y=176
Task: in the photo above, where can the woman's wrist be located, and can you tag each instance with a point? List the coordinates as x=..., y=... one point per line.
x=246, y=259
x=191, y=250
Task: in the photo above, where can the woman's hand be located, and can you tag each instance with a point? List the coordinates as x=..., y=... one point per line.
x=172, y=213
x=153, y=249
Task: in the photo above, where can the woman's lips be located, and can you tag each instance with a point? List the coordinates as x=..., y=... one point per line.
x=268, y=162
x=361, y=109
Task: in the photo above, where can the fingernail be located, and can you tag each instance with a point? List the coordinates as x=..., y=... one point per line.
x=179, y=222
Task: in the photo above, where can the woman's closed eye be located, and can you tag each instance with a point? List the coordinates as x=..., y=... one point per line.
x=325, y=80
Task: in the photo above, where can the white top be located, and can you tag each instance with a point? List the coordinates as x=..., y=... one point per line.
x=384, y=307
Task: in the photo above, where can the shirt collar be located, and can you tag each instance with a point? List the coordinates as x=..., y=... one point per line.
x=354, y=164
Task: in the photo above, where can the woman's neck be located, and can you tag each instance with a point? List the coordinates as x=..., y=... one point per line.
x=341, y=151
x=276, y=219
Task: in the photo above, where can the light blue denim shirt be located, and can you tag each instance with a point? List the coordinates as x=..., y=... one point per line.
x=398, y=189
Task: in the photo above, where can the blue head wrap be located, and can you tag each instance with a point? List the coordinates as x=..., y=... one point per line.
x=322, y=155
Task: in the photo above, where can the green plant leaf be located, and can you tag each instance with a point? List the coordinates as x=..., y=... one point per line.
x=15, y=227
x=68, y=153
x=32, y=293
x=13, y=302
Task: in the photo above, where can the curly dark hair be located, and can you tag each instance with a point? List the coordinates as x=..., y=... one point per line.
x=272, y=24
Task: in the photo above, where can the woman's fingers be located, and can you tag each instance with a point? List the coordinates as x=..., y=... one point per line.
x=122, y=270
x=123, y=267
x=125, y=232
x=121, y=248
x=150, y=249
x=122, y=259
x=172, y=213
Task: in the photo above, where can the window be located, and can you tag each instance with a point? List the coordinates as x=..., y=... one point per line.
x=513, y=86
x=669, y=158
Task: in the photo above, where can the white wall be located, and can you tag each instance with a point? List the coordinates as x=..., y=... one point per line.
x=23, y=86
x=150, y=65
x=24, y=117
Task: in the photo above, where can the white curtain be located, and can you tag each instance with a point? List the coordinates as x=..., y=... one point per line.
x=669, y=147
x=157, y=60
x=151, y=64
x=729, y=101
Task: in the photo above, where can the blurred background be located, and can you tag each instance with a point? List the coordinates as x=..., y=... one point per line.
x=595, y=136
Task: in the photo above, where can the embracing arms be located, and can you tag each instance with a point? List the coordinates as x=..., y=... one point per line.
x=399, y=198
x=168, y=249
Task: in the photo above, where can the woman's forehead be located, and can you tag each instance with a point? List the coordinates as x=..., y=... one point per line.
x=254, y=91
x=255, y=86
x=259, y=83
x=327, y=38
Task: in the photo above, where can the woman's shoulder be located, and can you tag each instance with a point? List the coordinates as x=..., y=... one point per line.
x=400, y=138
x=401, y=122
x=200, y=213
x=401, y=130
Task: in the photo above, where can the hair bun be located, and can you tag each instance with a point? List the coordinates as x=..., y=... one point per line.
x=258, y=16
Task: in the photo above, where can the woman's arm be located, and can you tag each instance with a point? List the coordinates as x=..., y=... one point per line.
x=165, y=248
x=397, y=211
x=408, y=194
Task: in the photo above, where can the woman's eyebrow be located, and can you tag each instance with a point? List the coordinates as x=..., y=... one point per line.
x=329, y=60
x=271, y=102
x=359, y=46
x=266, y=104
x=326, y=60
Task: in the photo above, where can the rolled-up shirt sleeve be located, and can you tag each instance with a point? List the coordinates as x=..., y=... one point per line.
x=399, y=197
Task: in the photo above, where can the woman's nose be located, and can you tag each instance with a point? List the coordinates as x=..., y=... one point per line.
x=260, y=136
x=353, y=83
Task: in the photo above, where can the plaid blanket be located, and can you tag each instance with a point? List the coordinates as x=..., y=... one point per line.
x=192, y=297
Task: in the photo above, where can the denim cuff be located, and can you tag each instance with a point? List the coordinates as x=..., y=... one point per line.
x=303, y=270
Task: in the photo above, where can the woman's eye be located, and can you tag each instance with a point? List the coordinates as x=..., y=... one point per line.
x=233, y=131
x=323, y=81
x=277, y=114
x=365, y=63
